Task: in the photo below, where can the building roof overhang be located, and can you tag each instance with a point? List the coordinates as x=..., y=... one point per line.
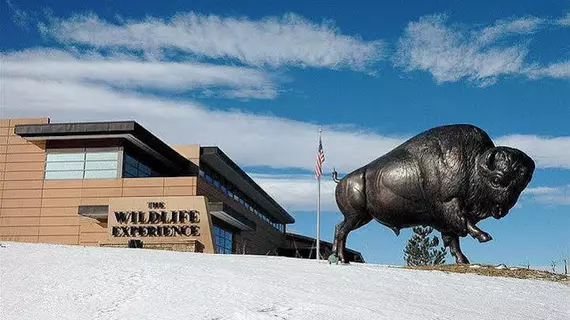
x=129, y=130
x=97, y=212
x=219, y=161
x=225, y=213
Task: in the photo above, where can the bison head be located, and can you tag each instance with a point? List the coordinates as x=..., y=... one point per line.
x=504, y=173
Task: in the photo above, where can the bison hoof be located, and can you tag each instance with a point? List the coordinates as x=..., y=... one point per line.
x=333, y=258
x=462, y=260
x=484, y=237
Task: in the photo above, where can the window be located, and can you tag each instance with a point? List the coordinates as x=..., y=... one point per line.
x=81, y=164
x=132, y=168
x=224, y=240
x=233, y=193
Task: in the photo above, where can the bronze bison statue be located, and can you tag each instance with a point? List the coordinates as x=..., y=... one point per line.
x=449, y=178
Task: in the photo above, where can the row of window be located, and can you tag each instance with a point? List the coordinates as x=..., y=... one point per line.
x=231, y=192
x=93, y=164
x=224, y=240
x=82, y=165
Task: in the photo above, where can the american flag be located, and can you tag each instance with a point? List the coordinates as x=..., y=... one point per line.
x=320, y=160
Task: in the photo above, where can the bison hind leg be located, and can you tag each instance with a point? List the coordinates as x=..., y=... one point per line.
x=351, y=199
x=350, y=222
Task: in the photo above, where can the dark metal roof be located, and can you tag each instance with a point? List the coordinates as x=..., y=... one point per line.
x=219, y=161
x=90, y=130
x=298, y=237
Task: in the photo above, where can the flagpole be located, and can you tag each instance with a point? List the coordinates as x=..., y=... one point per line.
x=319, y=206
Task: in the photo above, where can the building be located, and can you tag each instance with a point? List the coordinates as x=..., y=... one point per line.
x=300, y=246
x=115, y=184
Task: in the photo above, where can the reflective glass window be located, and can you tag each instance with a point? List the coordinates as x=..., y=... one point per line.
x=94, y=156
x=64, y=175
x=56, y=157
x=133, y=168
x=144, y=169
x=100, y=174
x=64, y=166
x=81, y=164
x=130, y=160
x=223, y=240
x=101, y=165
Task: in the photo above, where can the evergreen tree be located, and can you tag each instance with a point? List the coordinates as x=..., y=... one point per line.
x=421, y=250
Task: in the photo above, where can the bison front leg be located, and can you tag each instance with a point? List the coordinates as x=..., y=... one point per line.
x=453, y=217
x=452, y=241
x=477, y=233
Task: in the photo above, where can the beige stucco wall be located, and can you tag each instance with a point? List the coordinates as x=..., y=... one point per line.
x=21, y=183
x=190, y=152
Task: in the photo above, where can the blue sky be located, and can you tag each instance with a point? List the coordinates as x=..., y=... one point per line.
x=258, y=78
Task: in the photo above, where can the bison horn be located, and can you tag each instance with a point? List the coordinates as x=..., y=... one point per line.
x=490, y=159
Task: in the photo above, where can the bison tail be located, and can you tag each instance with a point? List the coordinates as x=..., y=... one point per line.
x=335, y=176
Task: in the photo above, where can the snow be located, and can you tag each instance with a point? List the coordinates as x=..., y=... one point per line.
x=40, y=281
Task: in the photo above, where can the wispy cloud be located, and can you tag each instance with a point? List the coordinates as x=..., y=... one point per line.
x=559, y=70
x=564, y=21
x=245, y=136
x=298, y=192
x=271, y=41
x=450, y=54
x=480, y=55
x=19, y=17
x=540, y=190
x=133, y=73
x=549, y=195
x=508, y=27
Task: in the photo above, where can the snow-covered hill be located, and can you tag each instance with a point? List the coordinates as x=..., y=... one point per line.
x=71, y=282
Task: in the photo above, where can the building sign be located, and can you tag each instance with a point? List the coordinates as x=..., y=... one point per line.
x=155, y=221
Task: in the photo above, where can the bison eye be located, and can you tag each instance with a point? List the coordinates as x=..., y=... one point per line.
x=495, y=181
